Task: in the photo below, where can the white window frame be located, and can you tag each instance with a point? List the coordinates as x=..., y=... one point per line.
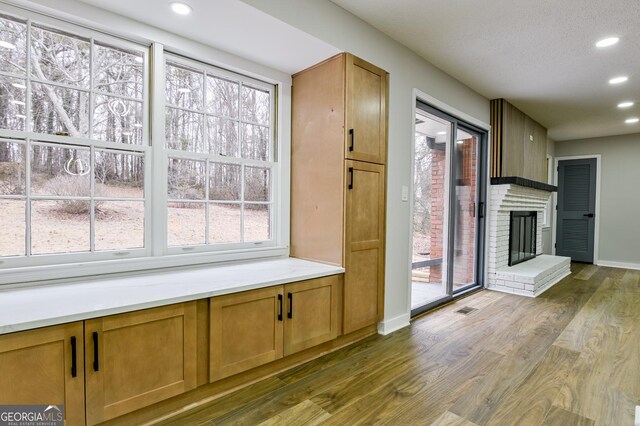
x=28, y=137
x=24, y=271
x=243, y=162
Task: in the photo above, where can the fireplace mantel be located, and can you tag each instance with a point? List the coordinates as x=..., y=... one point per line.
x=527, y=183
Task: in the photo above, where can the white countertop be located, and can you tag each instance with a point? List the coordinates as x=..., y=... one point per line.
x=40, y=306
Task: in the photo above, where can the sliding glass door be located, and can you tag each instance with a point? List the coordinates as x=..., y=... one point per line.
x=447, y=208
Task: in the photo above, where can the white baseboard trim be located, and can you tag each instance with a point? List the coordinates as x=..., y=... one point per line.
x=623, y=265
x=393, y=324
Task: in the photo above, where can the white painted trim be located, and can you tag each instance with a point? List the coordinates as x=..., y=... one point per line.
x=623, y=265
x=596, y=237
x=444, y=107
x=394, y=324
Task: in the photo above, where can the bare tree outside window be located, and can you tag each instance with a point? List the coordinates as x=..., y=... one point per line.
x=230, y=120
x=77, y=194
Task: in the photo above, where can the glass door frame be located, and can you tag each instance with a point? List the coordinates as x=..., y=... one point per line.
x=480, y=207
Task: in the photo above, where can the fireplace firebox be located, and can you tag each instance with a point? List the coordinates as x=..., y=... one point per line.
x=522, y=236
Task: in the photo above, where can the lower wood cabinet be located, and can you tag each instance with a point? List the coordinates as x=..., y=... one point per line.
x=139, y=358
x=256, y=327
x=44, y=366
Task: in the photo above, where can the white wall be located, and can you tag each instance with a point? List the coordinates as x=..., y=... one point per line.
x=619, y=195
x=407, y=71
x=547, y=232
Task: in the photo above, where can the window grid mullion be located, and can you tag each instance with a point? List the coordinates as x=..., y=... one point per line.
x=92, y=203
x=92, y=98
x=206, y=205
x=27, y=191
x=28, y=113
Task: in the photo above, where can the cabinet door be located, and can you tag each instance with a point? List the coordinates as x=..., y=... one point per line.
x=364, y=256
x=366, y=132
x=41, y=367
x=246, y=331
x=312, y=309
x=139, y=358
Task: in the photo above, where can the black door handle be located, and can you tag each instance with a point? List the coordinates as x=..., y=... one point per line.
x=74, y=365
x=353, y=139
x=588, y=215
x=290, y=313
x=96, y=364
x=350, y=177
x=280, y=308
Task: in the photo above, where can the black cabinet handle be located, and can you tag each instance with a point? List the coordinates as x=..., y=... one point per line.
x=280, y=309
x=588, y=215
x=353, y=139
x=74, y=365
x=96, y=364
x=290, y=313
x=350, y=177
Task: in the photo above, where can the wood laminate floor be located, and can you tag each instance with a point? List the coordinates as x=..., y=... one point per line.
x=568, y=357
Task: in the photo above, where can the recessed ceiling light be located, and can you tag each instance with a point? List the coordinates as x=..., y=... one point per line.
x=442, y=133
x=633, y=120
x=19, y=85
x=606, y=42
x=618, y=80
x=180, y=8
x=7, y=45
x=184, y=90
x=627, y=104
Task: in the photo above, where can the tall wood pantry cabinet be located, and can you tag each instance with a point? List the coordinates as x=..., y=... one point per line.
x=338, y=196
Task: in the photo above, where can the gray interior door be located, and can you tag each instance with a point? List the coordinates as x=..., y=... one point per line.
x=576, y=209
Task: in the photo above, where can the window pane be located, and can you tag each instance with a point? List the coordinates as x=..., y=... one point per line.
x=257, y=222
x=256, y=184
x=12, y=168
x=127, y=217
x=186, y=179
x=223, y=137
x=13, y=228
x=119, y=71
x=60, y=226
x=255, y=143
x=117, y=120
x=224, y=183
x=59, y=57
x=222, y=97
x=255, y=105
x=13, y=46
x=59, y=110
x=61, y=172
x=224, y=223
x=13, y=98
x=186, y=224
x=184, y=130
x=119, y=175
x=183, y=87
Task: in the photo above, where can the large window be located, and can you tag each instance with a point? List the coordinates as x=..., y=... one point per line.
x=76, y=156
x=220, y=156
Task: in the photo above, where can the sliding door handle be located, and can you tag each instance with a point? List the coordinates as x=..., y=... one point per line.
x=74, y=361
x=96, y=359
x=290, y=313
x=280, y=307
x=588, y=215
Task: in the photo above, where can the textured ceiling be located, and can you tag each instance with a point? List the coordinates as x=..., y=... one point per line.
x=540, y=55
x=255, y=35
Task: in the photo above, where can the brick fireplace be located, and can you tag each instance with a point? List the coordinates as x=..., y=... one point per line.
x=534, y=276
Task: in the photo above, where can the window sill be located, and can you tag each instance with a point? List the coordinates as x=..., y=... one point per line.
x=40, y=306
